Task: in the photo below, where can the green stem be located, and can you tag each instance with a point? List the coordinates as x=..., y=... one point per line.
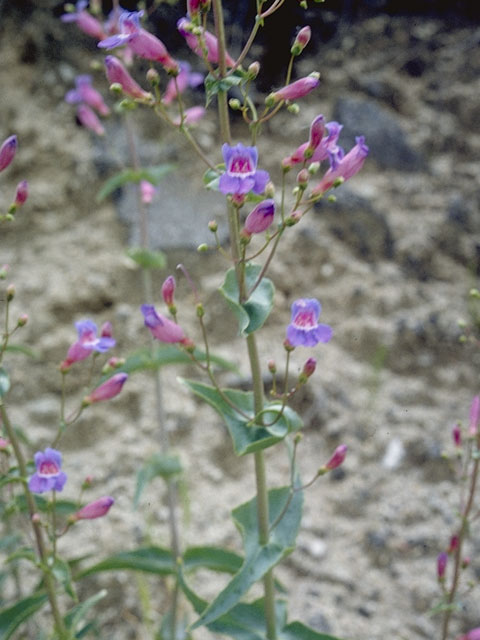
x=61, y=629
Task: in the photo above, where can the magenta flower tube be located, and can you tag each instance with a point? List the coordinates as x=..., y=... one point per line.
x=89, y=119
x=343, y=168
x=337, y=458
x=96, y=509
x=21, y=194
x=118, y=74
x=7, y=151
x=260, y=218
x=85, y=21
x=296, y=89
x=109, y=389
x=161, y=327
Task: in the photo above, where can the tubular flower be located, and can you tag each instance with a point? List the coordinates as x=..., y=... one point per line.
x=296, y=89
x=21, y=193
x=190, y=116
x=161, y=327
x=85, y=22
x=87, y=342
x=186, y=78
x=107, y=390
x=48, y=475
x=96, y=509
x=118, y=74
x=141, y=42
x=337, y=458
x=343, y=167
x=206, y=39
x=241, y=175
x=84, y=92
x=7, y=151
x=260, y=218
x=319, y=145
x=89, y=119
x=304, y=329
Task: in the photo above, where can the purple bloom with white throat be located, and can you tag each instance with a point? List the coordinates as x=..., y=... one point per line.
x=304, y=329
x=48, y=475
x=241, y=174
x=87, y=342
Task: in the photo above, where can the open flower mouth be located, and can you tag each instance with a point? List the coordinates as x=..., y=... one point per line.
x=241, y=166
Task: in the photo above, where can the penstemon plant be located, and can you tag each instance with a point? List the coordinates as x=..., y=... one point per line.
x=259, y=215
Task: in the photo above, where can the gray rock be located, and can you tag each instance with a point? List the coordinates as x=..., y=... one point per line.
x=386, y=139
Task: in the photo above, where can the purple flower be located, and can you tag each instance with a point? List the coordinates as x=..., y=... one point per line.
x=304, y=329
x=260, y=218
x=84, y=92
x=141, y=42
x=161, y=327
x=107, y=390
x=48, y=476
x=87, y=342
x=342, y=167
x=241, y=175
x=7, y=151
x=85, y=22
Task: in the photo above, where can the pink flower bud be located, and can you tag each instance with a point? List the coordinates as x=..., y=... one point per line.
x=457, y=435
x=36, y=518
x=195, y=6
x=107, y=390
x=303, y=177
x=301, y=41
x=7, y=151
x=317, y=131
x=453, y=544
x=337, y=458
x=117, y=74
x=96, y=509
x=21, y=194
x=190, y=116
x=442, y=560
x=4, y=444
x=168, y=290
x=147, y=191
x=22, y=320
x=296, y=89
x=309, y=367
x=474, y=416
x=89, y=119
x=272, y=366
x=260, y=218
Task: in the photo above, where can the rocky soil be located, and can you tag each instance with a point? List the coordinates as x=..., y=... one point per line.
x=392, y=262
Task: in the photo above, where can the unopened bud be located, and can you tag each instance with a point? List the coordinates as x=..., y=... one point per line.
x=235, y=104
x=337, y=458
x=10, y=292
x=21, y=194
x=294, y=108
x=313, y=168
x=168, y=290
x=36, y=518
x=254, y=69
x=303, y=177
x=200, y=310
x=453, y=544
x=153, y=77
x=442, y=560
x=22, y=321
x=272, y=367
x=465, y=563
x=309, y=367
x=474, y=293
x=96, y=509
x=87, y=483
x=116, y=88
x=3, y=271
x=213, y=226
x=288, y=346
x=457, y=435
x=293, y=218
x=202, y=248
x=269, y=190
x=301, y=41
x=4, y=444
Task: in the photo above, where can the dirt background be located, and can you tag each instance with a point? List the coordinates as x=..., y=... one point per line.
x=392, y=263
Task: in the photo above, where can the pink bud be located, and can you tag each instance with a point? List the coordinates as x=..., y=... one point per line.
x=453, y=544
x=195, y=6
x=190, y=116
x=260, y=218
x=442, y=560
x=296, y=89
x=337, y=458
x=21, y=194
x=22, y=320
x=474, y=416
x=117, y=74
x=96, y=509
x=89, y=119
x=309, y=368
x=301, y=41
x=107, y=390
x=7, y=151
x=317, y=131
x=4, y=444
x=272, y=366
x=36, y=518
x=466, y=562
x=457, y=435
x=168, y=290
x=147, y=191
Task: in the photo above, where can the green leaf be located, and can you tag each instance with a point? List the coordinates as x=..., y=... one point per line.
x=251, y=314
x=299, y=631
x=24, y=553
x=149, y=559
x=259, y=559
x=4, y=382
x=147, y=259
x=78, y=612
x=62, y=507
x=213, y=85
x=211, y=177
x=159, y=464
x=24, y=349
x=12, y=475
x=12, y=618
x=150, y=174
x=213, y=558
x=246, y=438
x=62, y=573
